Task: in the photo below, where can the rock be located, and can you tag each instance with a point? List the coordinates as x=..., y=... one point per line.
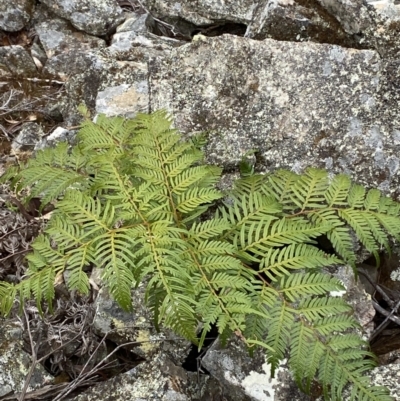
x=95, y=17
x=15, y=15
x=28, y=137
x=384, y=37
x=15, y=363
x=232, y=365
x=137, y=327
x=15, y=60
x=321, y=21
x=60, y=134
x=159, y=379
x=354, y=16
x=203, y=12
x=135, y=22
x=297, y=104
x=88, y=74
x=72, y=63
x=325, y=94
x=249, y=379
x=57, y=36
x=38, y=54
x=17, y=234
x=126, y=100
x=357, y=297
x=83, y=72
x=133, y=46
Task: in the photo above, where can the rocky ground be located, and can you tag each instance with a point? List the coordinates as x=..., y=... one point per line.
x=305, y=83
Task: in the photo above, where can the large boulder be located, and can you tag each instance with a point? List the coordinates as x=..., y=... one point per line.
x=96, y=17
x=15, y=363
x=322, y=21
x=15, y=15
x=295, y=104
x=202, y=12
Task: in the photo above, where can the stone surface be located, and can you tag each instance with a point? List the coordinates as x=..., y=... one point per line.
x=15, y=15
x=135, y=22
x=384, y=36
x=233, y=365
x=297, y=104
x=202, y=12
x=159, y=379
x=96, y=17
x=57, y=36
x=15, y=363
x=126, y=100
x=58, y=135
x=134, y=46
x=15, y=60
x=246, y=379
x=357, y=297
x=27, y=138
x=93, y=75
x=136, y=326
x=354, y=16
x=314, y=20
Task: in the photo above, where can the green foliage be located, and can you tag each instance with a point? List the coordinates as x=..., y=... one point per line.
x=131, y=198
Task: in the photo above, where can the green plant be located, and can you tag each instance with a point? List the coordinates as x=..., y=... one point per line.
x=132, y=197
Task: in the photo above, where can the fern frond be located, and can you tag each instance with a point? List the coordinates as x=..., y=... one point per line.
x=207, y=229
x=280, y=187
x=77, y=279
x=277, y=261
x=356, y=196
x=337, y=192
x=53, y=171
x=372, y=200
x=305, y=361
x=257, y=323
x=310, y=189
x=330, y=324
x=252, y=184
x=40, y=284
x=338, y=369
x=92, y=213
x=195, y=197
x=45, y=254
x=106, y=135
x=296, y=286
x=8, y=293
x=134, y=199
x=358, y=221
x=339, y=235
x=390, y=224
x=245, y=211
x=315, y=308
x=278, y=336
x=280, y=232
x=187, y=178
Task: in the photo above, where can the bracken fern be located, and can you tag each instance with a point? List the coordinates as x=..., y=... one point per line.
x=131, y=198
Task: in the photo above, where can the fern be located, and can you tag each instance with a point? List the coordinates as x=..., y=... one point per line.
x=132, y=198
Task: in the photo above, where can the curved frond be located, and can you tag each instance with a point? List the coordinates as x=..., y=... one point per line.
x=136, y=200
